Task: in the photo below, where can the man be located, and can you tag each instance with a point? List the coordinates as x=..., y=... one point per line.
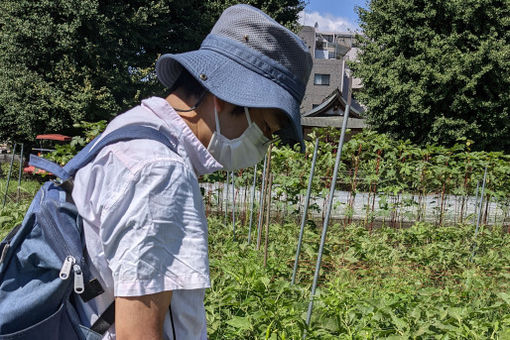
x=144, y=222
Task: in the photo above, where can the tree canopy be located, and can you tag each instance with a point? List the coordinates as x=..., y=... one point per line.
x=437, y=71
x=65, y=61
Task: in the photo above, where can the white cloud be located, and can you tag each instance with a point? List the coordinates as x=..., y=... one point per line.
x=327, y=22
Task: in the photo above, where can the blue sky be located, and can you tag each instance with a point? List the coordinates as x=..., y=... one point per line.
x=332, y=15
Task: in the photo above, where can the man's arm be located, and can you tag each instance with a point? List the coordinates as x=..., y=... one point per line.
x=141, y=317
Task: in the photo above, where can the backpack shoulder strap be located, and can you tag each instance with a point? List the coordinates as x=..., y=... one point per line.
x=91, y=150
x=105, y=320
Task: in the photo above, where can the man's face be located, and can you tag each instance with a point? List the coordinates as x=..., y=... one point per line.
x=233, y=122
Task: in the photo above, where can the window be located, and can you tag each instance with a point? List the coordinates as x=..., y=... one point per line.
x=321, y=54
x=321, y=79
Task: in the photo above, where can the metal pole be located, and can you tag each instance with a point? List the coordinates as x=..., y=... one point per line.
x=9, y=174
x=219, y=202
x=268, y=216
x=20, y=172
x=226, y=198
x=476, y=197
x=330, y=204
x=252, y=201
x=473, y=247
x=261, y=203
x=233, y=206
x=305, y=211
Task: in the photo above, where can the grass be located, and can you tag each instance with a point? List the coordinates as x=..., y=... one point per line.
x=15, y=206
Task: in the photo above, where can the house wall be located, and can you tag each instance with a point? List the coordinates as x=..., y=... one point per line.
x=315, y=94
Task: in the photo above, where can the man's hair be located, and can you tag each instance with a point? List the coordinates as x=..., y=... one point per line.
x=188, y=84
x=193, y=89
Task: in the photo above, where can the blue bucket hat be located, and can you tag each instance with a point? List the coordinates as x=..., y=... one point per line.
x=249, y=60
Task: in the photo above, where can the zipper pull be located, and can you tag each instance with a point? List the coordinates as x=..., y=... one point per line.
x=66, y=267
x=79, y=286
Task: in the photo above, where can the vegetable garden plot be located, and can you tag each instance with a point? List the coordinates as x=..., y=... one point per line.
x=381, y=181
x=419, y=192
x=414, y=283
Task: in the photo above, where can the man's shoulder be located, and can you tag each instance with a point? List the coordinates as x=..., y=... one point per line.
x=137, y=153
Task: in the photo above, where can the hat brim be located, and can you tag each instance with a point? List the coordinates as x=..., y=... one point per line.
x=233, y=83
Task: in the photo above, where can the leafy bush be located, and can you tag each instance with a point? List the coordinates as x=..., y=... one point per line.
x=4, y=169
x=64, y=152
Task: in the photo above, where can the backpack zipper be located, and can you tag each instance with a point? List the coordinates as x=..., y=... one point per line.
x=71, y=265
x=79, y=286
x=65, y=271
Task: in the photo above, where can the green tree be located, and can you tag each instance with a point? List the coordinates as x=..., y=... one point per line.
x=66, y=61
x=437, y=70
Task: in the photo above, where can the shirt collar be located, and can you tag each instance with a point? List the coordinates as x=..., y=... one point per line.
x=203, y=162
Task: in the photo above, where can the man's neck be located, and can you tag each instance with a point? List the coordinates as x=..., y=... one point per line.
x=192, y=118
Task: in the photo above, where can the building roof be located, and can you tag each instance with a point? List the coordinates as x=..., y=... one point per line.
x=334, y=105
x=327, y=114
x=54, y=136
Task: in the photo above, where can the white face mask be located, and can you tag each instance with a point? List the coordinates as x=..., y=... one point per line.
x=241, y=152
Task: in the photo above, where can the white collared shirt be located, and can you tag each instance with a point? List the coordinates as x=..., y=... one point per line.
x=144, y=222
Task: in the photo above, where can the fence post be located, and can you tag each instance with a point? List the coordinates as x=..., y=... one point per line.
x=330, y=204
x=252, y=203
x=305, y=210
x=9, y=174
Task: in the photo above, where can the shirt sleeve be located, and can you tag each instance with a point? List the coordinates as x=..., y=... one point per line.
x=154, y=232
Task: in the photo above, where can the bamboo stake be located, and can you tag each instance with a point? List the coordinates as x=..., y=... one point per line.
x=486, y=213
x=226, y=197
x=354, y=185
x=468, y=170
x=263, y=197
x=245, y=202
x=252, y=203
x=375, y=189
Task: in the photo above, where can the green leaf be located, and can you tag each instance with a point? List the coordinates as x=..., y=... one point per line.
x=240, y=322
